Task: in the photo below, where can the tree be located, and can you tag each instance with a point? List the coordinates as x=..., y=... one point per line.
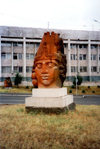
x=78, y=81
x=18, y=79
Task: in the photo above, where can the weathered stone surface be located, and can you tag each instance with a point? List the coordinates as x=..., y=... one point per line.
x=51, y=92
x=7, y=82
x=49, y=69
x=49, y=99
x=48, y=74
x=51, y=110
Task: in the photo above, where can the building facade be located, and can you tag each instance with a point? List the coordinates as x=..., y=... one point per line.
x=18, y=47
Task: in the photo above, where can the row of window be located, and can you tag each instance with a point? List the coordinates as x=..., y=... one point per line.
x=7, y=69
x=17, y=56
x=31, y=56
x=84, y=57
x=82, y=46
x=75, y=69
x=9, y=44
x=81, y=56
x=83, y=69
x=30, y=44
x=19, y=44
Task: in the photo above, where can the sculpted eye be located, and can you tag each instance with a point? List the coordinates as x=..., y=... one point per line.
x=50, y=64
x=39, y=65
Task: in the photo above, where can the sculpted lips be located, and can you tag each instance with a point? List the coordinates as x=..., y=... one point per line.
x=44, y=77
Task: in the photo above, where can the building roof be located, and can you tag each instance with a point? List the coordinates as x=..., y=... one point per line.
x=9, y=31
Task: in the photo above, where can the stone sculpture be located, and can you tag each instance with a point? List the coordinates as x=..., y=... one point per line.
x=7, y=82
x=48, y=75
x=49, y=69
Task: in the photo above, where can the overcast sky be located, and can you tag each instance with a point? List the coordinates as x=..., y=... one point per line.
x=55, y=14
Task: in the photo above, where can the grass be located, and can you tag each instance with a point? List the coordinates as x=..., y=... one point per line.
x=79, y=129
x=93, y=90
x=15, y=90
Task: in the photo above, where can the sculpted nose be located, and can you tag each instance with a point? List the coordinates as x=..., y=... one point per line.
x=44, y=69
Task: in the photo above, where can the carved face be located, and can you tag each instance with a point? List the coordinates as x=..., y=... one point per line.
x=47, y=73
x=49, y=68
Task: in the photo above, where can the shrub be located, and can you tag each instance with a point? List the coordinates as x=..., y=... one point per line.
x=93, y=91
x=83, y=91
x=88, y=86
x=70, y=91
x=27, y=87
x=73, y=86
x=18, y=79
x=78, y=81
x=98, y=86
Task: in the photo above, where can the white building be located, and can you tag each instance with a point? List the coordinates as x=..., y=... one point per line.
x=19, y=45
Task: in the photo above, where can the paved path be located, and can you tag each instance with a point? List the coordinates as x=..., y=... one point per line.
x=87, y=100
x=20, y=99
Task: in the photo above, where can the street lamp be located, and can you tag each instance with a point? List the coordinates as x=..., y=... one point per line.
x=96, y=21
x=76, y=68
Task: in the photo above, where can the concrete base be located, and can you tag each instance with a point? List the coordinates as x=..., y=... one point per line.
x=49, y=100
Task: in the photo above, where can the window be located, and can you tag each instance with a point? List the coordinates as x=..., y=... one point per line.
x=82, y=46
x=18, y=69
x=99, y=57
x=65, y=45
x=6, y=69
x=93, y=56
x=30, y=44
x=28, y=69
x=93, y=69
x=73, y=56
x=74, y=69
x=37, y=45
x=93, y=46
x=3, y=55
x=17, y=56
x=83, y=69
x=72, y=46
x=82, y=56
x=15, y=69
x=17, y=44
x=6, y=55
x=29, y=56
x=6, y=44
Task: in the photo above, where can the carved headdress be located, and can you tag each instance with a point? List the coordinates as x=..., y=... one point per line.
x=51, y=47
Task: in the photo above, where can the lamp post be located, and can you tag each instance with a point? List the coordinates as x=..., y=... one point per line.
x=96, y=21
x=76, y=69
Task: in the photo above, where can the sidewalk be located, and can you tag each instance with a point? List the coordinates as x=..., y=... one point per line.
x=16, y=94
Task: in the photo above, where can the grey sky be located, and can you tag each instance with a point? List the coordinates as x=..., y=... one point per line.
x=61, y=14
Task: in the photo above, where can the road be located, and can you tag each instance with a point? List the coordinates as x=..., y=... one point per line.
x=87, y=100
x=20, y=99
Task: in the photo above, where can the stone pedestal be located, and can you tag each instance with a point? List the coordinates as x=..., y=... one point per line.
x=49, y=100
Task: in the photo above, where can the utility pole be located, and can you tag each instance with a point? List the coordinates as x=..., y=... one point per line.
x=76, y=68
x=48, y=25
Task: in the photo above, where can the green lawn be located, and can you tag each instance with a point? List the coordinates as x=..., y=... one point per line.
x=85, y=90
x=93, y=90
x=79, y=129
x=16, y=90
